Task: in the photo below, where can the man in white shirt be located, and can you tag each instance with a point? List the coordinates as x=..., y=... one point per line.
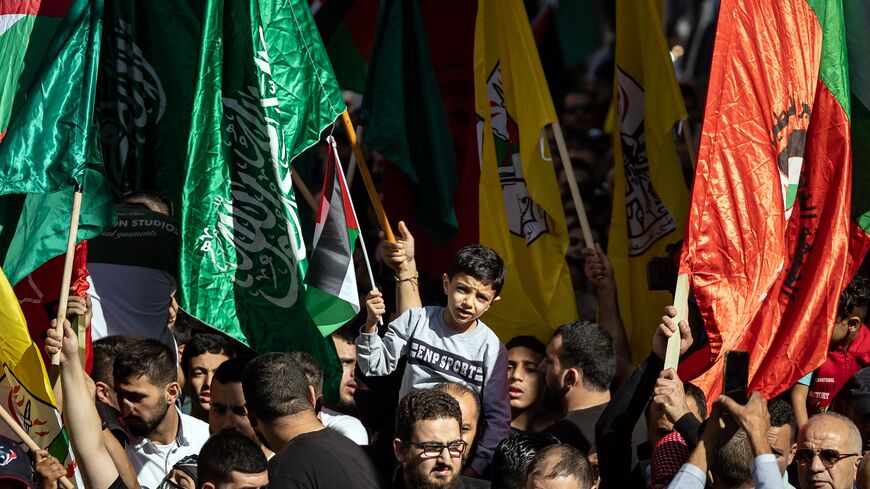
x=147, y=387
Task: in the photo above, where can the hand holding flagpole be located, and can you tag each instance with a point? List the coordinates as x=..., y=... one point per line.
x=68, y=263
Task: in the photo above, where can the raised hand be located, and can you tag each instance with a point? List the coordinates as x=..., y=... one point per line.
x=598, y=269
x=666, y=329
x=670, y=396
x=375, y=308
x=397, y=254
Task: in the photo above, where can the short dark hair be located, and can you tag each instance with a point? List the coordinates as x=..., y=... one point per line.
x=423, y=405
x=148, y=358
x=275, y=386
x=461, y=390
x=855, y=298
x=204, y=343
x=344, y=334
x=562, y=460
x=105, y=351
x=733, y=464
x=781, y=414
x=695, y=392
x=227, y=452
x=311, y=370
x=512, y=458
x=232, y=370
x=588, y=348
x=480, y=263
x=182, y=330
x=529, y=342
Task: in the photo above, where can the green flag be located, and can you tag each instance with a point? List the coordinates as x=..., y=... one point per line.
x=405, y=119
x=147, y=76
x=48, y=64
x=264, y=93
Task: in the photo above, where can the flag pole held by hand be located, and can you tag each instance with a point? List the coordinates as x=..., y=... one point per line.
x=67, y=265
x=367, y=178
x=20, y=433
x=681, y=304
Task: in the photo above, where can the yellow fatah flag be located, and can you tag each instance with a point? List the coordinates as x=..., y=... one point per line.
x=650, y=199
x=24, y=387
x=521, y=214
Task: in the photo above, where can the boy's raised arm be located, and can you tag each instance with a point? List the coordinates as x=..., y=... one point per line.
x=399, y=256
x=379, y=356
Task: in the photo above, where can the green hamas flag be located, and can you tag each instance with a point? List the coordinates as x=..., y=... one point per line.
x=147, y=76
x=405, y=119
x=48, y=64
x=264, y=93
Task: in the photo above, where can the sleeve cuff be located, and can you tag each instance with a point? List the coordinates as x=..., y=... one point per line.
x=694, y=471
x=764, y=458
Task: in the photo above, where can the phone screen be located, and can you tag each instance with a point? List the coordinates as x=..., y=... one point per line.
x=736, y=375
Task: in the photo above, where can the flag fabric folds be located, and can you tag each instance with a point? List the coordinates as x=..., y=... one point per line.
x=24, y=384
x=49, y=52
x=405, y=119
x=650, y=199
x=767, y=244
x=332, y=297
x=858, y=45
x=264, y=93
x=521, y=215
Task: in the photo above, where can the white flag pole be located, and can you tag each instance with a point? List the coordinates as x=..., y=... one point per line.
x=340, y=172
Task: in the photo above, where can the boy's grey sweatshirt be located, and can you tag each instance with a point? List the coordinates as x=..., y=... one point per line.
x=438, y=354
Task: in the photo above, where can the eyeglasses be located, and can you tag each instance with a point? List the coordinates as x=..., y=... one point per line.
x=829, y=457
x=431, y=449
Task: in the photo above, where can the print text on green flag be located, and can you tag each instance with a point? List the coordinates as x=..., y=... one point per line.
x=264, y=93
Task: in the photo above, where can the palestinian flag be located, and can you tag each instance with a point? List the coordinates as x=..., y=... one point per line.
x=768, y=240
x=332, y=297
x=49, y=52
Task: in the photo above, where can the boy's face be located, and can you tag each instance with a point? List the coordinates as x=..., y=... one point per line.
x=467, y=297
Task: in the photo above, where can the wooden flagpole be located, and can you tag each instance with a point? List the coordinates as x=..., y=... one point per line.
x=367, y=178
x=681, y=303
x=67, y=265
x=351, y=166
x=572, y=184
x=303, y=189
x=362, y=241
x=20, y=433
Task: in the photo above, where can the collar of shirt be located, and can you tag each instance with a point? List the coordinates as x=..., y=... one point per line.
x=145, y=444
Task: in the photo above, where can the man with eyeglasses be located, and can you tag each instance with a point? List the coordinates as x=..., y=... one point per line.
x=829, y=450
x=428, y=441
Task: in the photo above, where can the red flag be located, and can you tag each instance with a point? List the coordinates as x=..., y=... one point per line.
x=767, y=245
x=39, y=294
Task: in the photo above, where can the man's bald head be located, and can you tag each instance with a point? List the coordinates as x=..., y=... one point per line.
x=843, y=425
x=828, y=432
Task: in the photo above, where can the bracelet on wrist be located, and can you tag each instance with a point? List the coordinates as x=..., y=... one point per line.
x=400, y=280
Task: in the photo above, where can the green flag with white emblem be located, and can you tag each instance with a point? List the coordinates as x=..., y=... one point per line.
x=265, y=92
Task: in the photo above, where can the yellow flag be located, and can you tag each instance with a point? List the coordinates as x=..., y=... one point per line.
x=650, y=199
x=521, y=215
x=24, y=387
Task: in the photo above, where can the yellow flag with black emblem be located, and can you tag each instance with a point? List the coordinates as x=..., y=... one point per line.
x=521, y=214
x=24, y=387
x=650, y=199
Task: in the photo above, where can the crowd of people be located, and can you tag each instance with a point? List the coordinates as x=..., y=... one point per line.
x=432, y=399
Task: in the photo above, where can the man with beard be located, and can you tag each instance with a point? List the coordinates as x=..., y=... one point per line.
x=147, y=387
x=345, y=347
x=428, y=441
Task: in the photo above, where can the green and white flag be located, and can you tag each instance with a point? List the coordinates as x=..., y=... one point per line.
x=265, y=92
x=49, y=52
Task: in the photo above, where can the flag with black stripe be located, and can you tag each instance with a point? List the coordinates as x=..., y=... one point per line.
x=332, y=298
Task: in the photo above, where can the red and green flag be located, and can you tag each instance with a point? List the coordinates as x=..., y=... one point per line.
x=332, y=297
x=405, y=118
x=858, y=45
x=49, y=51
x=768, y=238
